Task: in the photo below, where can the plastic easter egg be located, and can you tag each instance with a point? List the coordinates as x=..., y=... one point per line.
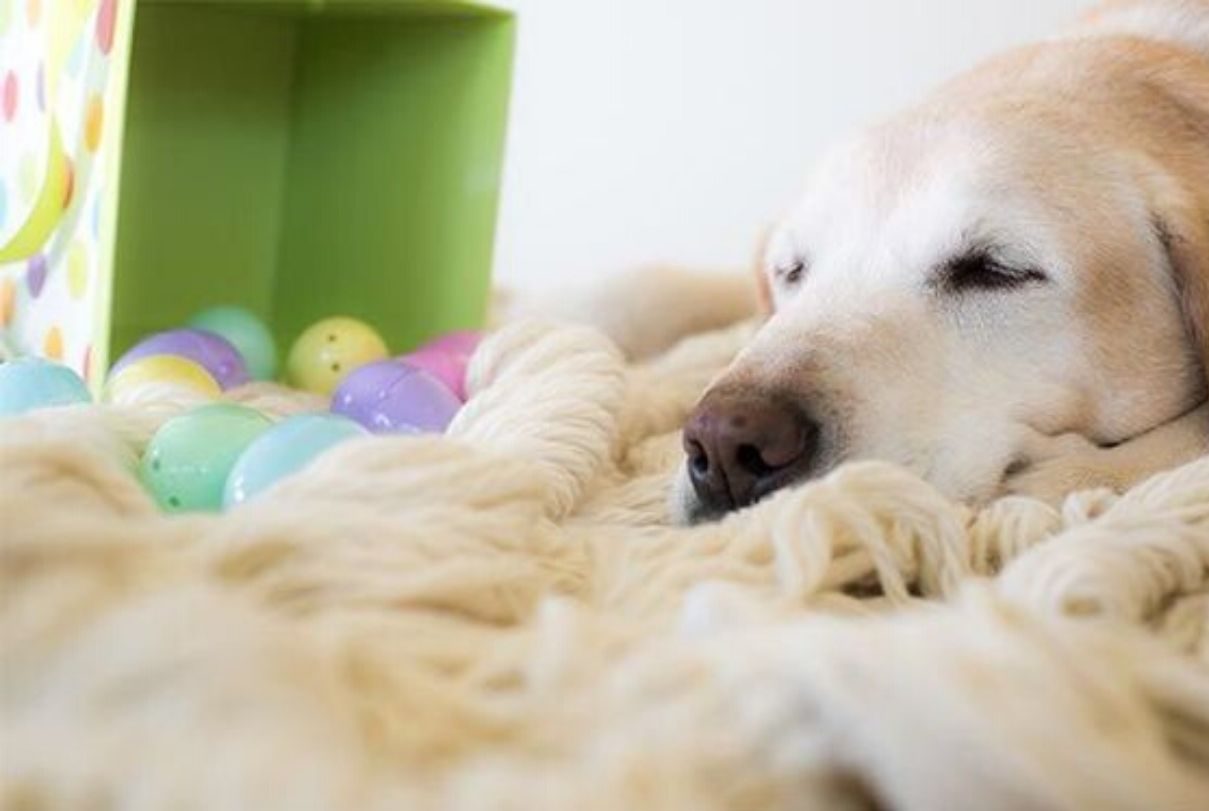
x=215, y=354
x=160, y=377
x=330, y=349
x=187, y=462
x=246, y=333
x=30, y=383
x=284, y=449
x=446, y=357
x=461, y=343
x=393, y=397
x=450, y=369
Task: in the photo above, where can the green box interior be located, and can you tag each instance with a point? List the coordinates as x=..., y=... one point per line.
x=311, y=159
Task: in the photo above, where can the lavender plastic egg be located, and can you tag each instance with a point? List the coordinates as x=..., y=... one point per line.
x=212, y=352
x=393, y=397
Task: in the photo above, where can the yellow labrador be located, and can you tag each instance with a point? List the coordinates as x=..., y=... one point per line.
x=1005, y=289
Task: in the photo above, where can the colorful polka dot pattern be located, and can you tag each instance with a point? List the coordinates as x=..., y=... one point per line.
x=93, y=118
x=35, y=275
x=106, y=20
x=55, y=74
x=69, y=186
x=52, y=345
x=77, y=270
x=8, y=96
x=8, y=301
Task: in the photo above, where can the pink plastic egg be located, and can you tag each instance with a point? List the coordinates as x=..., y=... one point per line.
x=456, y=343
x=446, y=358
x=448, y=368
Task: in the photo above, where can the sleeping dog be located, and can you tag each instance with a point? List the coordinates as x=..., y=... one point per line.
x=1004, y=289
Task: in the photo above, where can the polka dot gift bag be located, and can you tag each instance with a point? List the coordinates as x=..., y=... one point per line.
x=62, y=82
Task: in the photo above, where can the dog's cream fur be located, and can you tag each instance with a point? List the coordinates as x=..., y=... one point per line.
x=1085, y=157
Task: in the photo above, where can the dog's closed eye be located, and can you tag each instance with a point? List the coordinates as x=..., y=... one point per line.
x=790, y=274
x=980, y=269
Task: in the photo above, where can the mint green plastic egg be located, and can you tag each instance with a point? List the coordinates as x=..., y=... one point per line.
x=245, y=332
x=285, y=449
x=29, y=383
x=187, y=462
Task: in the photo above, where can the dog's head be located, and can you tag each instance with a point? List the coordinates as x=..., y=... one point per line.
x=954, y=284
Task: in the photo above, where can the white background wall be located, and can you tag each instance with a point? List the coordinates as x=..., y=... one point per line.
x=647, y=130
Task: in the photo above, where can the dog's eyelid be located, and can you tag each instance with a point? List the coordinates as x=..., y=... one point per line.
x=791, y=272
x=984, y=268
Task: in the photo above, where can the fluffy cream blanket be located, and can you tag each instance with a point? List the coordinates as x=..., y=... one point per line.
x=501, y=619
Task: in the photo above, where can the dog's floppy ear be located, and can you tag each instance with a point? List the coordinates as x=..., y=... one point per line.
x=1184, y=234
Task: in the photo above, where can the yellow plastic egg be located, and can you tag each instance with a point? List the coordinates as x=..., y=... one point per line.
x=329, y=350
x=161, y=377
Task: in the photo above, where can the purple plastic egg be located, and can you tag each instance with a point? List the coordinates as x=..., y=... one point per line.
x=215, y=354
x=393, y=397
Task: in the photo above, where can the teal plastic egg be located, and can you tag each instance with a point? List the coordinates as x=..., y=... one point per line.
x=246, y=332
x=187, y=462
x=29, y=383
x=285, y=449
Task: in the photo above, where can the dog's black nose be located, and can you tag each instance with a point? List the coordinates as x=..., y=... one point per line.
x=743, y=445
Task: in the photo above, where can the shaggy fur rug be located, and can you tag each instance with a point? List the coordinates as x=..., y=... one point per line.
x=502, y=619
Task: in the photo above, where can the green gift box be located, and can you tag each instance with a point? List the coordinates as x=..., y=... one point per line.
x=302, y=159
